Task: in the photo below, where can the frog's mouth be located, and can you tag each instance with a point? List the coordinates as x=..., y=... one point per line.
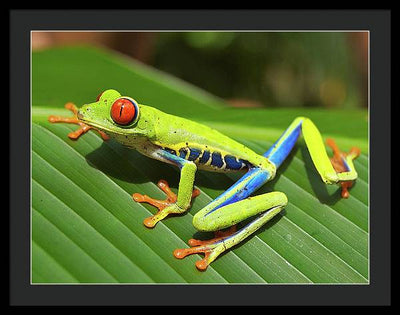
x=87, y=121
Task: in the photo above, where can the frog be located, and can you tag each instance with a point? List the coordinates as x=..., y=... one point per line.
x=191, y=146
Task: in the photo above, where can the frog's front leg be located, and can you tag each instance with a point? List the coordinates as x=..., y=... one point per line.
x=173, y=203
x=74, y=120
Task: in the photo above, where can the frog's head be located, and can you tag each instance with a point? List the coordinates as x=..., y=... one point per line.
x=112, y=113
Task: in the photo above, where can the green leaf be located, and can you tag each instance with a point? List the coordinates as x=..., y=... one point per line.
x=87, y=229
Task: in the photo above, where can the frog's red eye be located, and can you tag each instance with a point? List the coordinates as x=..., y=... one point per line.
x=98, y=96
x=124, y=111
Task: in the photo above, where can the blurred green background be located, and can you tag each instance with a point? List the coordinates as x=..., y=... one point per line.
x=248, y=69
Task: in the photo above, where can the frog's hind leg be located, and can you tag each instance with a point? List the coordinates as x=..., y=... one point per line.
x=266, y=206
x=227, y=210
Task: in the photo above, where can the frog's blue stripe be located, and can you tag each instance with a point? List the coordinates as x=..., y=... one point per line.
x=282, y=147
x=205, y=157
x=244, y=187
x=194, y=154
x=216, y=160
x=232, y=163
x=183, y=153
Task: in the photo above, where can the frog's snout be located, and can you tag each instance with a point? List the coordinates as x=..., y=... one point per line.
x=82, y=112
x=85, y=112
x=79, y=114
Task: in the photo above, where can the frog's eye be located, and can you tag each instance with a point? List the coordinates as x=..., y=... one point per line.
x=124, y=111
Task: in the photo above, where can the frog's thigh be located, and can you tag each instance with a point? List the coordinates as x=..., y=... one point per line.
x=268, y=204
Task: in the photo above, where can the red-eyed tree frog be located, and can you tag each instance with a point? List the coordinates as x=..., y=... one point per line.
x=191, y=146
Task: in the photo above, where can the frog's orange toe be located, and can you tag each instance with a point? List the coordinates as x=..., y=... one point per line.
x=149, y=222
x=180, y=253
x=138, y=197
x=53, y=118
x=345, y=186
x=202, y=264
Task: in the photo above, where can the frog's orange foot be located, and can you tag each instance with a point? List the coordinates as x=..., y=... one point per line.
x=202, y=264
x=74, y=120
x=207, y=247
x=161, y=205
x=338, y=163
x=345, y=186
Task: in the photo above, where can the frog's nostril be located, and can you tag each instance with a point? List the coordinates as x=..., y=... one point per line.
x=79, y=115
